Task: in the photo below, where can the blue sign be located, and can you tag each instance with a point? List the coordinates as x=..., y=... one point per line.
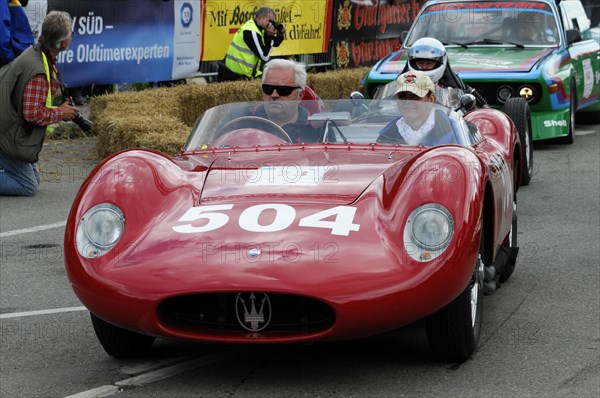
x=129, y=41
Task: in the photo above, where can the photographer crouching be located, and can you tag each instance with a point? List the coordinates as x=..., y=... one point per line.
x=27, y=86
x=251, y=46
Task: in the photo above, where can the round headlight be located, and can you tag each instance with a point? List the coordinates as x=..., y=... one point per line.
x=104, y=227
x=432, y=227
x=99, y=229
x=526, y=92
x=504, y=93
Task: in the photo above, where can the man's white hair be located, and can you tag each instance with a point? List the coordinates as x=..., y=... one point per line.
x=279, y=63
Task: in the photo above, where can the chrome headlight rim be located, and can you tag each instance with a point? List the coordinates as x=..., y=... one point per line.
x=504, y=93
x=95, y=212
x=527, y=92
x=431, y=210
x=416, y=245
x=89, y=243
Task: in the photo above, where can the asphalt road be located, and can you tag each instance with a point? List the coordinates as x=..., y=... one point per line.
x=541, y=329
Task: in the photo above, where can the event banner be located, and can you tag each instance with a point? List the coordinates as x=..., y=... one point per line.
x=126, y=41
x=307, y=24
x=364, y=31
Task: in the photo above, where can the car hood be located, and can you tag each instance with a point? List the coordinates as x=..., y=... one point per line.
x=477, y=59
x=496, y=59
x=336, y=177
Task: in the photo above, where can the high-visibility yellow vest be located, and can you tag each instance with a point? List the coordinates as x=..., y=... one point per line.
x=49, y=128
x=239, y=58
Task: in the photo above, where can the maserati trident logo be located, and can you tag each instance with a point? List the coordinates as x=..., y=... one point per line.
x=251, y=319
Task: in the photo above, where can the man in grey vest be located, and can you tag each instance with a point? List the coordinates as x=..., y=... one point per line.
x=27, y=86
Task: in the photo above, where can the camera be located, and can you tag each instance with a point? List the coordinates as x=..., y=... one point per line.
x=83, y=123
x=277, y=25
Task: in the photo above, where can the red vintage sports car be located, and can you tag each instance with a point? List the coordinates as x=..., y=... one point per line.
x=249, y=236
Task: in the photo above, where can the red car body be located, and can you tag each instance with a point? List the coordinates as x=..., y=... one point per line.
x=170, y=275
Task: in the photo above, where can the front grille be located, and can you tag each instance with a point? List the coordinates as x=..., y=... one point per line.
x=243, y=312
x=489, y=91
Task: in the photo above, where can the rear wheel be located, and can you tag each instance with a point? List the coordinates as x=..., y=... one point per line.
x=121, y=343
x=518, y=110
x=454, y=331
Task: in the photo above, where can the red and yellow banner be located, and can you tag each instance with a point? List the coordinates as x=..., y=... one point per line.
x=307, y=24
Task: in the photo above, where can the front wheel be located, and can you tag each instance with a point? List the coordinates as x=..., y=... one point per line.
x=121, y=343
x=512, y=243
x=570, y=137
x=518, y=110
x=454, y=331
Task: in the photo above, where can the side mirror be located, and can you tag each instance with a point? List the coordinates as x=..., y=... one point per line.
x=356, y=96
x=573, y=35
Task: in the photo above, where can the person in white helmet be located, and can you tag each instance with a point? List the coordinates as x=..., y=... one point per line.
x=428, y=55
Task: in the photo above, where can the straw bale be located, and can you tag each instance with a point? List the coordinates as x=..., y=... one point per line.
x=336, y=84
x=161, y=132
x=198, y=98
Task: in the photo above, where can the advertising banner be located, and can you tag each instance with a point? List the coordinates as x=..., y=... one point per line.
x=364, y=31
x=127, y=41
x=307, y=24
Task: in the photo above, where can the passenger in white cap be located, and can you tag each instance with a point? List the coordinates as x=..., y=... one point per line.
x=420, y=122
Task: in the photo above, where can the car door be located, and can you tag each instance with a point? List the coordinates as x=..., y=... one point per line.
x=584, y=53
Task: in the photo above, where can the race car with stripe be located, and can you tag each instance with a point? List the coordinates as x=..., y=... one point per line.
x=541, y=50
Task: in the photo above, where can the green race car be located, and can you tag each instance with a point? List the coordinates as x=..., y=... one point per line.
x=542, y=51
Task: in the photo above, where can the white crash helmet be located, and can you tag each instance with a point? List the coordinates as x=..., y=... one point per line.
x=430, y=49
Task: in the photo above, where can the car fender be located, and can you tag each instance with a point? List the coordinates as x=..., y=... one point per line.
x=142, y=183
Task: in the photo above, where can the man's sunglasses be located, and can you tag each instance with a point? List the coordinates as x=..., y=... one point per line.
x=284, y=91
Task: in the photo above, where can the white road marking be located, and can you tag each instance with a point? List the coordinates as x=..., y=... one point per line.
x=155, y=375
x=171, y=371
x=99, y=392
x=41, y=312
x=147, y=366
x=585, y=132
x=32, y=229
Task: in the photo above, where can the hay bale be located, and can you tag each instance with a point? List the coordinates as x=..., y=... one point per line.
x=163, y=133
x=336, y=84
x=197, y=99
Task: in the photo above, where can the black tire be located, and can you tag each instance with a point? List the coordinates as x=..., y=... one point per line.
x=121, y=343
x=509, y=267
x=570, y=138
x=518, y=110
x=454, y=331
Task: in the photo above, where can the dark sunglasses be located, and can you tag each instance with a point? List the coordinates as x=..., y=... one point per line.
x=284, y=91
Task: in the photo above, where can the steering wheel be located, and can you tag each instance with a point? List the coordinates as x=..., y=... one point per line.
x=254, y=122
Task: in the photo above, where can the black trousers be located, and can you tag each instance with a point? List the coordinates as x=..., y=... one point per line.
x=224, y=74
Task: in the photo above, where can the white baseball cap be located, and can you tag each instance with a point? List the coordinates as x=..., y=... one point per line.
x=415, y=82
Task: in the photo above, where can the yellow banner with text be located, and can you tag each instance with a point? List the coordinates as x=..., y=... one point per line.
x=307, y=24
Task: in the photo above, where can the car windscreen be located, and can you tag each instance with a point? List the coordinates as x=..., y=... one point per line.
x=351, y=121
x=488, y=23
